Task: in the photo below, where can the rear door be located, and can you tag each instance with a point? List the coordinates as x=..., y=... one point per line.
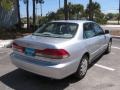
x=90, y=38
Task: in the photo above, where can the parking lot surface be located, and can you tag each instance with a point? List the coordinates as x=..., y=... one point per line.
x=104, y=74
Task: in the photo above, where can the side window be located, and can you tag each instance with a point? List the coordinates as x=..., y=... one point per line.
x=88, y=30
x=98, y=30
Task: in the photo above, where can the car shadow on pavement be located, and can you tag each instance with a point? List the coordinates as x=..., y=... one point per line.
x=22, y=80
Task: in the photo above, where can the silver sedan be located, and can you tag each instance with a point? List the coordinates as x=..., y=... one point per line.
x=61, y=48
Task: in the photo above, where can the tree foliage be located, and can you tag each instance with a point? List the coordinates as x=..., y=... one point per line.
x=40, y=1
x=7, y=4
x=98, y=16
x=112, y=16
x=77, y=11
x=74, y=11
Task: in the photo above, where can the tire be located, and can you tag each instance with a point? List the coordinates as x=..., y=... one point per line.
x=108, y=50
x=83, y=67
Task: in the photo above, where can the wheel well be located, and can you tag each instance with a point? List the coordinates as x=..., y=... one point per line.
x=87, y=54
x=111, y=39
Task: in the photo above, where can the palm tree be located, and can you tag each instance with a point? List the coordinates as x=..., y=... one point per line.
x=65, y=9
x=40, y=2
x=34, y=16
x=90, y=10
x=75, y=10
x=27, y=11
x=93, y=9
x=18, y=13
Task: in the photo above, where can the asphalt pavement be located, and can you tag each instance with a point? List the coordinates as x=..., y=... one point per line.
x=104, y=74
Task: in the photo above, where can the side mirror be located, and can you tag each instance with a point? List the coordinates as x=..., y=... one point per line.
x=107, y=32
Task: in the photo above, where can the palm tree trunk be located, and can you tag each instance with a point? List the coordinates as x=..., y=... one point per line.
x=41, y=9
x=27, y=9
x=34, y=17
x=18, y=12
x=90, y=10
x=65, y=9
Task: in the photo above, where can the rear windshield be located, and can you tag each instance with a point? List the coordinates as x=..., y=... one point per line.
x=57, y=30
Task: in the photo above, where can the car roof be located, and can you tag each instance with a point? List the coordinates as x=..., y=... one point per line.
x=73, y=21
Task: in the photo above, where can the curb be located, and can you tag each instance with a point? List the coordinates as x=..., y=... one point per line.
x=5, y=43
x=117, y=37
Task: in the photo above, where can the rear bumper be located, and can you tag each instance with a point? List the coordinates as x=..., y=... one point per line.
x=44, y=68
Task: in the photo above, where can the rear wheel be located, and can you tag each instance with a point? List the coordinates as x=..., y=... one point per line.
x=108, y=50
x=82, y=69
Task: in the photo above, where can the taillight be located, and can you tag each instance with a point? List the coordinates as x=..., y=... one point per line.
x=17, y=47
x=53, y=53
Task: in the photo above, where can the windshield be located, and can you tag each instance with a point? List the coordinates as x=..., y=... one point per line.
x=57, y=30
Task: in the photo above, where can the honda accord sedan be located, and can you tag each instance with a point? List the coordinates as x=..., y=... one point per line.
x=61, y=48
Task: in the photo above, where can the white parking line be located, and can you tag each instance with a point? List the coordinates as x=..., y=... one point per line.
x=115, y=47
x=104, y=67
x=3, y=52
x=112, y=53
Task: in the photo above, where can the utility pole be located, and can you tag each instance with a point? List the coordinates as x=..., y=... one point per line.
x=90, y=10
x=59, y=4
x=41, y=9
x=65, y=9
x=119, y=14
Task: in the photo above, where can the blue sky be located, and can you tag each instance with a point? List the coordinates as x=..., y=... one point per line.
x=53, y=5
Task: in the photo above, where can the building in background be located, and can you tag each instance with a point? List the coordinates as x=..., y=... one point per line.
x=8, y=18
